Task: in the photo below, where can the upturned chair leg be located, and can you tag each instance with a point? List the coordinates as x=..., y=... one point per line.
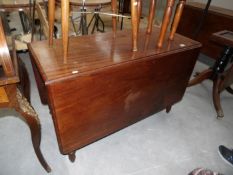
x=114, y=20
x=32, y=120
x=177, y=17
x=51, y=10
x=65, y=27
x=166, y=21
x=134, y=21
x=151, y=16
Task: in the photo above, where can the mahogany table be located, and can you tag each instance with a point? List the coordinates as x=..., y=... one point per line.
x=104, y=86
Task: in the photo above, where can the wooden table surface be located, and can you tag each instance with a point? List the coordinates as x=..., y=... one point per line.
x=99, y=51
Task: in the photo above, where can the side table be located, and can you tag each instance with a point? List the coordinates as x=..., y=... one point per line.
x=222, y=71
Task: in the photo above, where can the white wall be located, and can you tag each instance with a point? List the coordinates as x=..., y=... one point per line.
x=228, y=4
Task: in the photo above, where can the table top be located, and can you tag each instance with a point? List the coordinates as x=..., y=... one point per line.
x=223, y=37
x=100, y=51
x=88, y=2
x=15, y=3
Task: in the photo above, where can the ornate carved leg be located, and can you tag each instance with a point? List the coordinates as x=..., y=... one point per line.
x=206, y=74
x=72, y=156
x=168, y=109
x=31, y=118
x=230, y=90
x=216, y=97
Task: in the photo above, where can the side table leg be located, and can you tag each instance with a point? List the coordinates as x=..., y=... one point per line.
x=216, y=97
x=72, y=156
x=31, y=118
x=206, y=74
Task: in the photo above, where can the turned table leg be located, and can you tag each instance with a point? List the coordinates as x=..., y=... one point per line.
x=168, y=109
x=72, y=156
x=32, y=120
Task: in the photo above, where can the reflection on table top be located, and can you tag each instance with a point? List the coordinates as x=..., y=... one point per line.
x=88, y=2
x=5, y=4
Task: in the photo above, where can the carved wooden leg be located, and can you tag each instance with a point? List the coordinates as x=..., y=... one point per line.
x=206, y=74
x=72, y=156
x=177, y=17
x=168, y=109
x=166, y=21
x=65, y=27
x=134, y=21
x=230, y=90
x=51, y=9
x=31, y=118
x=216, y=97
x=151, y=16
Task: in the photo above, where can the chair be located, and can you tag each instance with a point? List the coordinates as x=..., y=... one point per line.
x=11, y=97
x=136, y=6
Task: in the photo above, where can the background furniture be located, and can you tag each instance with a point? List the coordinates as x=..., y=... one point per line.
x=11, y=97
x=222, y=71
x=216, y=20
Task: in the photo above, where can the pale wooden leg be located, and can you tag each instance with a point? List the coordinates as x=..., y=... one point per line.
x=134, y=21
x=151, y=16
x=51, y=10
x=139, y=12
x=65, y=27
x=114, y=21
x=166, y=21
x=177, y=17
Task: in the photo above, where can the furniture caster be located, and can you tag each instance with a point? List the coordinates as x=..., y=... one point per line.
x=72, y=156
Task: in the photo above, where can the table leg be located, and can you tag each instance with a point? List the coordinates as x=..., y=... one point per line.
x=206, y=74
x=216, y=97
x=72, y=156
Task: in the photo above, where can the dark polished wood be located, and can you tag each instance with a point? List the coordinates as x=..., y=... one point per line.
x=104, y=86
x=217, y=19
x=222, y=71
